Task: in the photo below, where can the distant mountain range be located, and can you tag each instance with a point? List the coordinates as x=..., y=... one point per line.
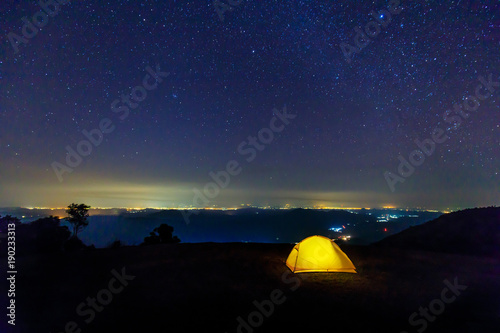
x=472, y=231
x=283, y=226
x=242, y=225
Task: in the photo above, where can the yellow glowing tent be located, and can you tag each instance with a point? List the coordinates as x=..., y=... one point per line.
x=319, y=254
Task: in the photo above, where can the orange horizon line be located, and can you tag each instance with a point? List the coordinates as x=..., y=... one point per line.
x=236, y=208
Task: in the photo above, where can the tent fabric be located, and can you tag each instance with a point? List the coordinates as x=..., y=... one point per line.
x=319, y=254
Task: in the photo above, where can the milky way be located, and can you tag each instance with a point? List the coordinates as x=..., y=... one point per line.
x=225, y=72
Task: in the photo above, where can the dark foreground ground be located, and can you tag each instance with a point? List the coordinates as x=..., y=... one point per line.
x=206, y=287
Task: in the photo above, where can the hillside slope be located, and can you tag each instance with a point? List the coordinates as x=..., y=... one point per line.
x=471, y=232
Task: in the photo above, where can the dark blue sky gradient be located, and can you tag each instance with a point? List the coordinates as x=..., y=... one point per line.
x=226, y=77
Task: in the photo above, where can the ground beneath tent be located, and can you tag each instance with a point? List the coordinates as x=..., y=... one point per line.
x=206, y=287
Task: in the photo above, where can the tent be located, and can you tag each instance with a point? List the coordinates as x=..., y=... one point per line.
x=319, y=254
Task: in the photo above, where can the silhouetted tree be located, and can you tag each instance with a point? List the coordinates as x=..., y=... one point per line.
x=153, y=238
x=161, y=235
x=166, y=234
x=78, y=214
x=44, y=235
x=49, y=235
x=75, y=244
x=6, y=220
x=116, y=244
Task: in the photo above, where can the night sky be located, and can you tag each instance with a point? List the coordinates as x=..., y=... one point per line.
x=355, y=114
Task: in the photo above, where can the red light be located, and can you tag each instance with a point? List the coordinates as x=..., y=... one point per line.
x=385, y=229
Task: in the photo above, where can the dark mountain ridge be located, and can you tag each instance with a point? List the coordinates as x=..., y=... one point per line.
x=471, y=232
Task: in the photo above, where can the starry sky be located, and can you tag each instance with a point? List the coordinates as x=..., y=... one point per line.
x=227, y=79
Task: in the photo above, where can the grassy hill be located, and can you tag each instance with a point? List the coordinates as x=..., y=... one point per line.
x=472, y=231
x=207, y=286
x=213, y=287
